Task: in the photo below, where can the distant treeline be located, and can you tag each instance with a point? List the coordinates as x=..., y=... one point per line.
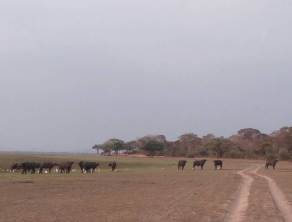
x=247, y=143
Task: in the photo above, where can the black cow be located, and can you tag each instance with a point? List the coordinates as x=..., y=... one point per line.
x=65, y=166
x=86, y=166
x=271, y=163
x=14, y=166
x=29, y=166
x=47, y=165
x=199, y=163
x=217, y=163
x=113, y=165
x=181, y=164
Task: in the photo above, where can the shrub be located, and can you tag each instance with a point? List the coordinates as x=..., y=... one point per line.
x=284, y=154
x=204, y=153
x=234, y=154
x=191, y=155
x=271, y=157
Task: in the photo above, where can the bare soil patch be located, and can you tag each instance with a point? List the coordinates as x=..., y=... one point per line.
x=164, y=195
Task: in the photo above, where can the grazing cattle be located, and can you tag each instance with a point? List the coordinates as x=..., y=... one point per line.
x=14, y=166
x=113, y=165
x=199, y=163
x=86, y=166
x=271, y=163
x=47, y=165
x=181, y=164
x=217, y=163
x=29, y=166
x=65, y=166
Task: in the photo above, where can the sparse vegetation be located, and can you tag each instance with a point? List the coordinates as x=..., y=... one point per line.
x=247, y=143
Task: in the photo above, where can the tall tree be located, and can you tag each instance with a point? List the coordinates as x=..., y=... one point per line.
x=219, y=146
x=112, y=145
x=97, y=147
x=151, y=147
x=190, y=144
x=131, y=146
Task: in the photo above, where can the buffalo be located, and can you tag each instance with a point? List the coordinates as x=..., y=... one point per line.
x=29, y=166
x=65, y=166
x=181, y=164
x=199, y=163
x=113, y=165
x=86, y=166
x=217, y=163
x=271, y=163
x=47, y=165
x=14, y=166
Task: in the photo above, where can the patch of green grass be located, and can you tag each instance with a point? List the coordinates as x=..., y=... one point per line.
x=123, y=163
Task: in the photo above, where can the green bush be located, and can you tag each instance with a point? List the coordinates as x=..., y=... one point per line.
x=284, y=154
x=236, y=154
x=190, y=155
x=204, y=153
x=271, y=157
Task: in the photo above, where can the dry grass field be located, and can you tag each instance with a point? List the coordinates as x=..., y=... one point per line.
x=151, y=189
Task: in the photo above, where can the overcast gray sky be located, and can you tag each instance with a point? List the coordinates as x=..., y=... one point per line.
x=76, y=73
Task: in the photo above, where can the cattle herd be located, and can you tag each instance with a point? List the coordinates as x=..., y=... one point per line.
x=88, y=167
x=64, y=167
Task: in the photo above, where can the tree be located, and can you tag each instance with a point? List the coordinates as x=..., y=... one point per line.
x=189, y=144
x=253, y=137
x=249, y=133
x=286, y=138
x=151, y=146
x=97, y=147
x=112, y=145
x=131, y=146
x=219, y=146
x=265, y=149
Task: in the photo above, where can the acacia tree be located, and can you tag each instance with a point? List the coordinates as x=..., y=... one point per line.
x=97, y=147
x=151, y=147
x=112, y=145
x=131, y=146
x=219, y=146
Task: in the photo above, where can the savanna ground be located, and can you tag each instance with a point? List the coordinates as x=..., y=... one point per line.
x=151, y=189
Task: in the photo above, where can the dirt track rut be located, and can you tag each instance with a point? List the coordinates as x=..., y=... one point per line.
x=278, y=197
x=241, y=202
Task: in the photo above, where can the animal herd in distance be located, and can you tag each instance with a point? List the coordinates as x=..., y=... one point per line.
x=181, y=164
x=88, y=167
x=66, y=167
x=218, y=164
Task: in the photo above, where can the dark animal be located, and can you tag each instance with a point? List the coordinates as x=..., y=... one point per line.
x=113, y=165
x=29, y=166
x=271, y=163
x=199, y=163
x=14, y=166
x=86, y=166
x=47, y=165
x=65, y=166
x=181, y=164
x=217, y=163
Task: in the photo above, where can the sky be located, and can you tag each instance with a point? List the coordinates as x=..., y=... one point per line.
x=76, y=73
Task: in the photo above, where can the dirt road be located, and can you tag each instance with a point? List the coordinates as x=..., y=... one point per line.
x=241, y=202
x=238, y=211
x=279, y=198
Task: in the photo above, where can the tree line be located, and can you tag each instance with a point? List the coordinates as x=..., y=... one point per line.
x=247, y=143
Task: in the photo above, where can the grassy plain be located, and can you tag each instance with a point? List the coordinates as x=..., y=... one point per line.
x=151, y=189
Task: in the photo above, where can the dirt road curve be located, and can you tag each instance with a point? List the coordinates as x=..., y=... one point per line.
x=241, y=202
x=279, y=198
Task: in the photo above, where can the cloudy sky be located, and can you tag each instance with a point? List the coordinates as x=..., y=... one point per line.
x=76, y=73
